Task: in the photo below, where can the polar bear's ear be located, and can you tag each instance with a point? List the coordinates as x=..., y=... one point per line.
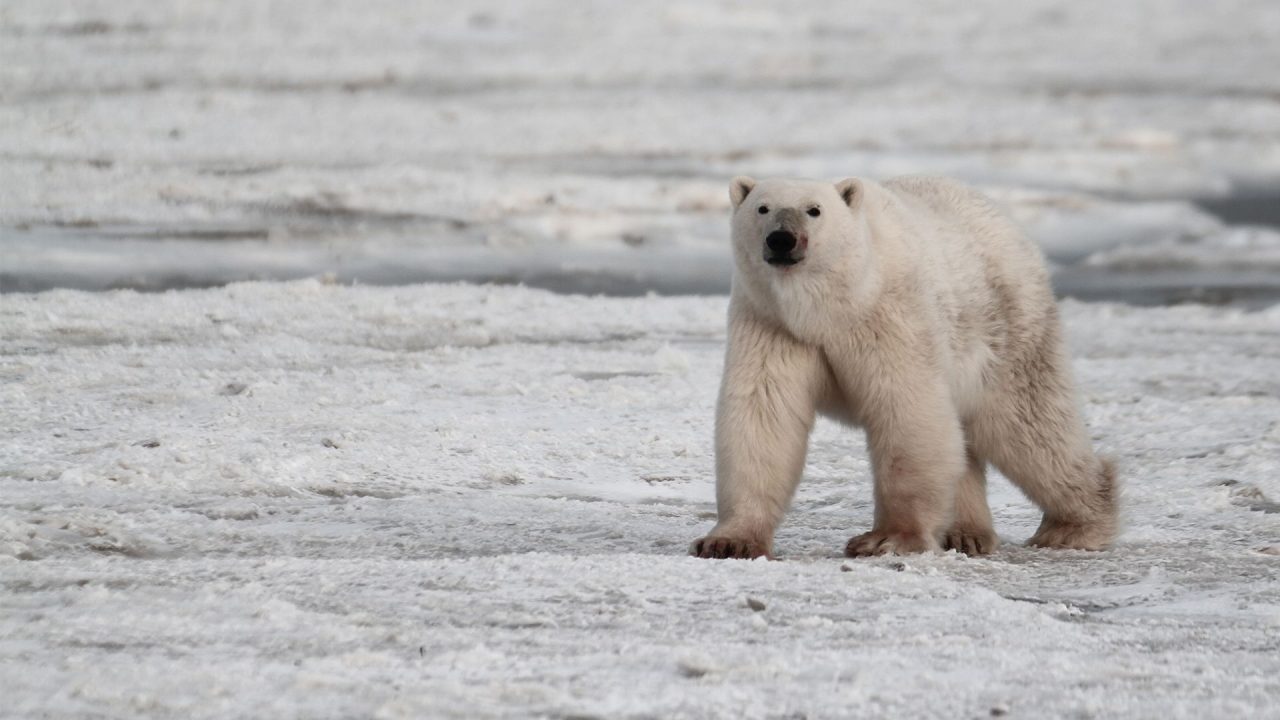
x=850, y=190
x=739, y=188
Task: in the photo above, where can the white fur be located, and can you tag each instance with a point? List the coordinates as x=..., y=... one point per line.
x=920, y=313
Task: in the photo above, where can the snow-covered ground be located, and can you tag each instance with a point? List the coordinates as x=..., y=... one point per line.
x=309, y=500
x=587, y=145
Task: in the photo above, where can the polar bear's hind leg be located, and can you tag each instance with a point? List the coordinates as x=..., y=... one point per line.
x=971, y=531
x=1031, y=430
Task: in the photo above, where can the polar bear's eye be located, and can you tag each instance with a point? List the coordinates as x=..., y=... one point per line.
x=815, y=211
x=764, y=210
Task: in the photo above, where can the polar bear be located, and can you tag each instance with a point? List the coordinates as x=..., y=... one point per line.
x=915, y=309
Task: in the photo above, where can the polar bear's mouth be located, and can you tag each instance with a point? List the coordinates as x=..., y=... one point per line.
x=782, y=260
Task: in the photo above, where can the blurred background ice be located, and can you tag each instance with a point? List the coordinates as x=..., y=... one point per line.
x=586, y=146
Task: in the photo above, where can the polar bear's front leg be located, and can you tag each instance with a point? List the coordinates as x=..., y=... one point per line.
x=765, y=412
x=918, y=456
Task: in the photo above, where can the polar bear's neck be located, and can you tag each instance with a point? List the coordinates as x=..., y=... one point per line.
x=813, y=304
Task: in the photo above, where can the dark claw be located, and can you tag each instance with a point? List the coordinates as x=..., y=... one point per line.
x=971, y=545
x=725, y=549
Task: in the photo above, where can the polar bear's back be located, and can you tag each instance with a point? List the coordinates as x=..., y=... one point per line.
x=989, y=279
x=965, y=208
x=974, y=229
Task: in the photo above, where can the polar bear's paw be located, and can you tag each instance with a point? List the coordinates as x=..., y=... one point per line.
x=970, y=541
x=1063, y=535
x=722, y=548
x=878, y=542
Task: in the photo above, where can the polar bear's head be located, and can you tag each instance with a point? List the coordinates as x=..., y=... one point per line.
x=784, y=226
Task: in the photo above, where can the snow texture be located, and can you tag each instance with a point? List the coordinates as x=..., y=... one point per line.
x=308, y=500
x=311, y=500
x=587, y=145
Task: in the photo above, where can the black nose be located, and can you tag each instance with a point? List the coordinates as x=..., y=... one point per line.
x=781, y=241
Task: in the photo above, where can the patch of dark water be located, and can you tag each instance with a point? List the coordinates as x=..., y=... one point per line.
x=1246, y=207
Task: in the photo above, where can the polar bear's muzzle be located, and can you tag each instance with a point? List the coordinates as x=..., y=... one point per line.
x=783, y=248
